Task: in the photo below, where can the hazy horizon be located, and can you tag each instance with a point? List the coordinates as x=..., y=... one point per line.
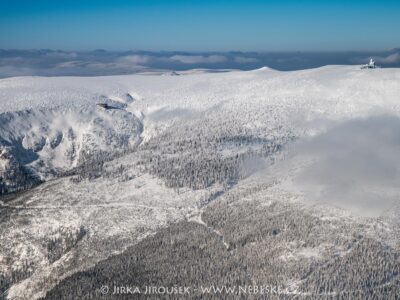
x=182, y=35
x=47, y=62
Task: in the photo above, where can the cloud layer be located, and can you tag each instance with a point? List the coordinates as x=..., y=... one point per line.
x=100, y=62
x=355, y=165
x=388, y=60
x=198, y=59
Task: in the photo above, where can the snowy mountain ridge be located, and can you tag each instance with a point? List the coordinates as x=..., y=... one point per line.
x=50, y=124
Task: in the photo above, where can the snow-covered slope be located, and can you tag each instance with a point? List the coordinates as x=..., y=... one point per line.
x=52, y=124
x=209, y=131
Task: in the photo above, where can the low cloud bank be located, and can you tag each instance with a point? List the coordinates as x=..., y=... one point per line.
x=101, y=62
x=388, y=60
x=355, y=165
x=198, y=59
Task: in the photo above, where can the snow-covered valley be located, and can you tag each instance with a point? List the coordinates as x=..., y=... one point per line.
x=292, y=172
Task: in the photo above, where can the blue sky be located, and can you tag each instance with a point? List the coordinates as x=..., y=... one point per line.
x=200, y=25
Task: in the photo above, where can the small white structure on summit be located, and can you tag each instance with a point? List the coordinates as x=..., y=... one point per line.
x=370, y=65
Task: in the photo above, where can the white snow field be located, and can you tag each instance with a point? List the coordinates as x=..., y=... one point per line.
x=332, y=136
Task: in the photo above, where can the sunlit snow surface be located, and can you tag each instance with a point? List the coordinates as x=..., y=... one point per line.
x=53, y=124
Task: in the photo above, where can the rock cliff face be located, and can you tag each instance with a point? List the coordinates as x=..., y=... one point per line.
x=40, y=144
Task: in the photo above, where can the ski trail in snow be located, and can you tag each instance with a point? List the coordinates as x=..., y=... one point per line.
x=197, y=218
